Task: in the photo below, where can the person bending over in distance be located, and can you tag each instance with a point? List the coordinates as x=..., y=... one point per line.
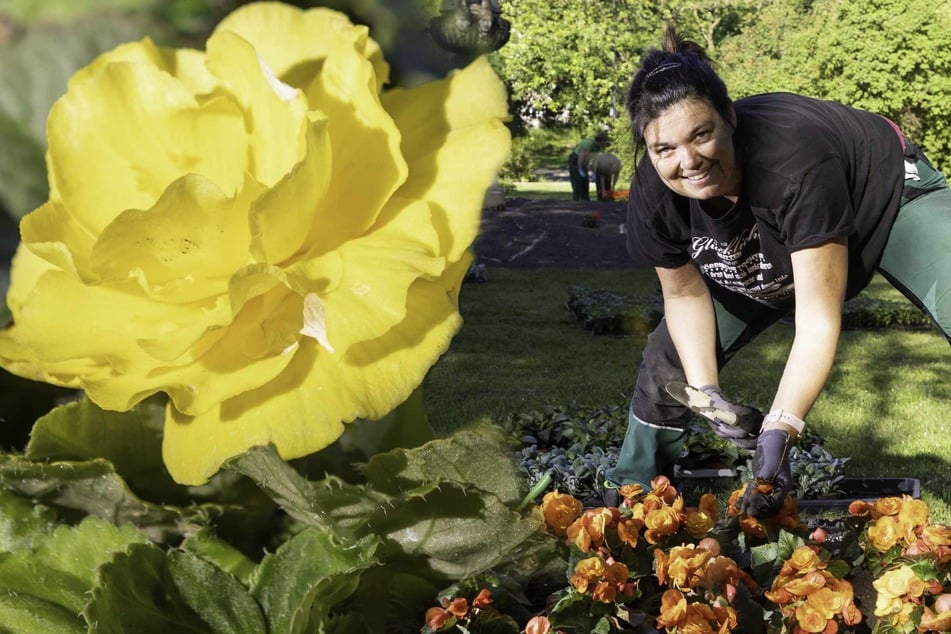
x=577, y=172
x=771, y=205
x=606, y=168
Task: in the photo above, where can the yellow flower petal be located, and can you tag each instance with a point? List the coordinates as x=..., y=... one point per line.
x=304, y=409
x=282, y=218
x=293, y=41
x=454, y=144
x=185, y=64
x=186, y=246
x=157, y=133
x=366, y=147
x=377, y=271
x=274, y=141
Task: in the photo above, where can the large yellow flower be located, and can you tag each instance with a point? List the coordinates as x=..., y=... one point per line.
x=257, y=230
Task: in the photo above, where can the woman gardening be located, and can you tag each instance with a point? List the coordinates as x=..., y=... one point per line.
x=751, y=210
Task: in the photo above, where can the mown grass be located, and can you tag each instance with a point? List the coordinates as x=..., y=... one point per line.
x=885, y=405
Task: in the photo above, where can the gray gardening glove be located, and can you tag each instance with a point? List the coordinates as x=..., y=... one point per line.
x=747, y=422
x=773, y=478
x=731, y=421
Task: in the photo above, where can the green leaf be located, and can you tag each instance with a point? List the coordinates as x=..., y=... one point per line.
x=763, y=560
x=138, y=593
x=331, y=504
x=387, y=595
x=453, y=501
x=131, y=441
x=222, y=554
x=278, y=479
x=307, y=576
x=94, y=488
x=23, y=614
x=459, y=534
x=63, y=567
x=787, y=543
x=22, y=522
x=474, y=459
x=217, y=596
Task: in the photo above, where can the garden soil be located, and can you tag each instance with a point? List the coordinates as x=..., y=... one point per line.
x=525, y=233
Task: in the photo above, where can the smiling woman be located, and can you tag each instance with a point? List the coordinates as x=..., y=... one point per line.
x=211, y=233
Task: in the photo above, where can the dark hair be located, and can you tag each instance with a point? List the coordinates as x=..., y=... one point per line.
x=679, y=70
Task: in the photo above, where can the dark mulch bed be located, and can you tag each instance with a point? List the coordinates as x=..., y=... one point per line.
x=552, y=233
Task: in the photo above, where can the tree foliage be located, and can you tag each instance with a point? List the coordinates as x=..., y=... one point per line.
x=569, y=62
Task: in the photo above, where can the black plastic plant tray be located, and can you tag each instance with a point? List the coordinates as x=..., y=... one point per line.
x=867, y=489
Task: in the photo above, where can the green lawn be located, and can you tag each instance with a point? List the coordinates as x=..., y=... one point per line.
x=885, y=405
x=541, y=190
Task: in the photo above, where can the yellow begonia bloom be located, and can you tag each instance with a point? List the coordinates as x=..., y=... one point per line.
x=257, y=230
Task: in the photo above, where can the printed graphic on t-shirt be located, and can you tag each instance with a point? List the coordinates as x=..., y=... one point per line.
x=740, y=266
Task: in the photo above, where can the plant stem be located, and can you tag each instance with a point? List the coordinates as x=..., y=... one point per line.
x=537, y=490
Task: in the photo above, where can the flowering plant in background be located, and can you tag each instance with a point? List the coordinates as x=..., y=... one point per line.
x=652, y=561
x=591, y=220
x=258, y=230
x=656, y=564
x=812, y=594
x=910, y=560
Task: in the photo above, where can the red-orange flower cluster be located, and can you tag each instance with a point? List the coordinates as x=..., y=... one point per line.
x=452, y=610
x=604, y=580
x=811, y=597
x=679, y=615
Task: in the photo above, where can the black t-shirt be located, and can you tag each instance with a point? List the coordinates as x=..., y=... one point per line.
x=812, y=171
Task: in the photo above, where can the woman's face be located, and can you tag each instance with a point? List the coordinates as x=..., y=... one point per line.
x=691, y=147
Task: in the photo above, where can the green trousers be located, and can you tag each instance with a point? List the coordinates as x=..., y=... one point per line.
x=916, y=260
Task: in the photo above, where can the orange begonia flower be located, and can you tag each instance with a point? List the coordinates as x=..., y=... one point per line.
x=661, y=524
x=698, y=524
x=936, y=535
x=810, y=619
x=662, y=488
x=934, y=622
x=437, y=617
x=538, y=625
x=886, y=506
x=628, y=530
x=884, y=533
x=560, y=510
x=604, y=592
x=458, y=607
x=860, y=508
x=807, y=584
x=483, y=599
x=673, y=609
x=578, y=535
x=804, y=559
x=708, y=504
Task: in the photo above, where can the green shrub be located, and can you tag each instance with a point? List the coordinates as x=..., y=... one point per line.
x=865, y=312
x=604, y=312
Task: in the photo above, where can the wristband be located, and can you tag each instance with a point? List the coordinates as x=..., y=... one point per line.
x=781, y=419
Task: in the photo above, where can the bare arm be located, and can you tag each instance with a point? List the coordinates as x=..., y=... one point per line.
x=820, y=275
x=691, y=321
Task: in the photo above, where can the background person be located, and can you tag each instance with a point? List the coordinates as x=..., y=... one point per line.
x=606, y=168
x=577, y=173
x=749, y=211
